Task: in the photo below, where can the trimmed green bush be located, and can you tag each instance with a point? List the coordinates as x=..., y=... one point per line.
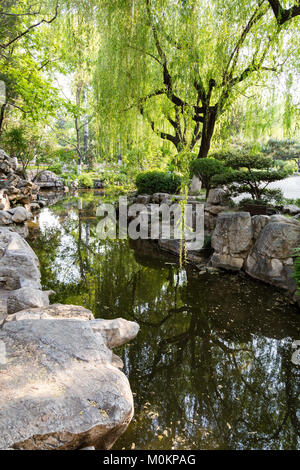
x=85, y=180
x=206, y=169
x=150, y=182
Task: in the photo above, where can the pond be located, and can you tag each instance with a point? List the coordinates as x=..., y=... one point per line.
x=211, y=366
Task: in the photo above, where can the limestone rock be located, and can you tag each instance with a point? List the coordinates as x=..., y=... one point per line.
x=258, y=223
x=270, y=260
x=61, y=387
x=291, y=209
x=4, y=201
x=18, y=262
x=55, y=311
x=5, y=218
x=20, y=214
x=143, y=199
x=26, y=297
x=278, y=240
x=49, y=180
x=217, y=196
x=16, y=189
x=231, y=240
x=196, y=185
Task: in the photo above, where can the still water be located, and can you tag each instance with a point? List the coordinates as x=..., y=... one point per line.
x=211, y=367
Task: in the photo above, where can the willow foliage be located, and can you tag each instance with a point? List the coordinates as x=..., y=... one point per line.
x=177, y=67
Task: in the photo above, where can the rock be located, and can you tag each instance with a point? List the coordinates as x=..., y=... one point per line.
x=278, y=240
x=55, y=311
x=196, y=185
x=158, y=198
x=116, y=332
x=5, y=218
x=291, y=209
x=26, y=297
x=217, y=196
x=215, y=210
x=143, y=199
x=15, y=190
x=258, y=223
x=231, y=240
x=35, y=206
x=270, y=260
x=282, y=219
x=20, y=215
x=18, y=262
x=210, y=216
x=4, y=201
x=61, y=387
x=99, y=184
x=49, y=180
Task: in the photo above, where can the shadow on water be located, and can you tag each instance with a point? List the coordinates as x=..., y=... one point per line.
x=211, y=367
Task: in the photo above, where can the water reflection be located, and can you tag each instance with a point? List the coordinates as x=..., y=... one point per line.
x=211, y=365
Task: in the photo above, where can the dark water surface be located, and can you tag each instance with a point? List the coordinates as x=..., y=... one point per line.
x=211, y=367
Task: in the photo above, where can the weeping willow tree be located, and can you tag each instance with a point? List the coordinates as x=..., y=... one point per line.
x=176, y=67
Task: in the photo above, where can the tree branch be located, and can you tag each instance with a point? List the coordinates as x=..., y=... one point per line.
x=283, y=15
x=4, y=46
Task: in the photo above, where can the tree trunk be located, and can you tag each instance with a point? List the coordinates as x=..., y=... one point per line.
x=2, y=113
x=78, y=98
x=85, y=127
x=207, y=132
x=78, y=146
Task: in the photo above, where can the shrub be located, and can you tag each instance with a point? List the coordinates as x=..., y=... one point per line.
x=251, y=174
x=206, y=169
x=85, y=180
x=56, y=168
x=150, y=182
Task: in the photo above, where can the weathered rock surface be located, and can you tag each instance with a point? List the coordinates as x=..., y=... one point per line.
x=49, y=180
x=61, y=387
x=26, y=297
x=271, y=257
x=4, y=201
x=291, y=209
x=231, y=240
x=196, y=185
x=14, y=188
x=263, y=246
x=19, y=265
x=56, y=311
x=217, y=196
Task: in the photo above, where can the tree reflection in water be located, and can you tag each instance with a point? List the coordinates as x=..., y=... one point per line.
x=211, y=365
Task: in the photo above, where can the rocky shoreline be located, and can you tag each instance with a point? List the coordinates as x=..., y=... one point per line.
x=61, y=384
x=262, y=246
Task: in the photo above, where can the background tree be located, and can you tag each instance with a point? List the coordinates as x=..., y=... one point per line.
x=250, y=173
x=285, y=150
x=182, y=66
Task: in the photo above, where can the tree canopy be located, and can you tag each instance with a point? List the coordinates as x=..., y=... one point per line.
x=150, y=77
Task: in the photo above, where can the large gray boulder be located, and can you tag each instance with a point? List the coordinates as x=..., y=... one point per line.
x=291, y=209
x=19, y=265
x=26, y=297
x=20, y=214
x=5, y=218
x=49, y=180
x=231, y=240
x=271, y=257
x=61, y=387
x=56, y=311
x=4, y=201
x=217, y=196
x=16, y=189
